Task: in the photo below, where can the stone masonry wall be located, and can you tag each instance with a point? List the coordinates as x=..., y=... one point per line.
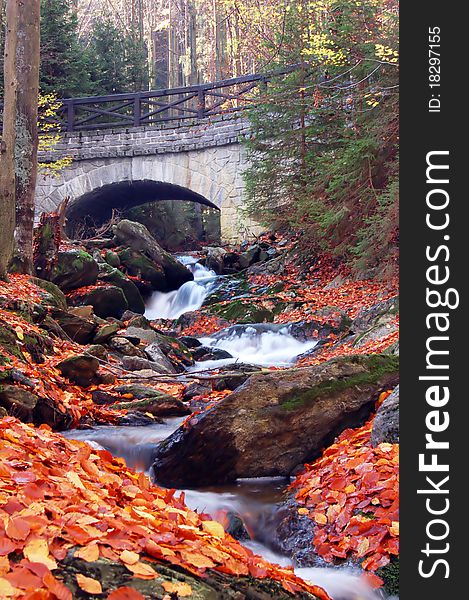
x=203, y=156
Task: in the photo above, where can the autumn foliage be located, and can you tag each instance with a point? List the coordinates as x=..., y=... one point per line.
x=58, y=495
x=351, y=494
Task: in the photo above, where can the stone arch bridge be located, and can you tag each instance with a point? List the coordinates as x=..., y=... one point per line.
x=178, y=144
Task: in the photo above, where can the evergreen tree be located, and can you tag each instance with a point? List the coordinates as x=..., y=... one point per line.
x=325, y=136
x=119, y=59
x=65, y=64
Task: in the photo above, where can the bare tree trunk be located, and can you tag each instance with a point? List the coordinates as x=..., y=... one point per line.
x=27, y=66
x=7, y=144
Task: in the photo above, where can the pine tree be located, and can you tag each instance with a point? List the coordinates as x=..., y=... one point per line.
x=65, y=64
x=325, y=137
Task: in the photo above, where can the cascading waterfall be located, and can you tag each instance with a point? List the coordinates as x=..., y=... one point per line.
x=190, y=296
x=259, y=344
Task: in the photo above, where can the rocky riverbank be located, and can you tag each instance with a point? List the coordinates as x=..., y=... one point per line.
x=76, y=350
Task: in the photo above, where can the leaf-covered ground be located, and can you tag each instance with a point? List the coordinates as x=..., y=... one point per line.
x=351, y=494
x=59, y=496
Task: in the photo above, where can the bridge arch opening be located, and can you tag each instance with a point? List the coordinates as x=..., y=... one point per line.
x=175, y=215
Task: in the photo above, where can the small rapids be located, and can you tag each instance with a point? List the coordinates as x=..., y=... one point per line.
x=253, y=500
x=190, y=296
x=259, y=344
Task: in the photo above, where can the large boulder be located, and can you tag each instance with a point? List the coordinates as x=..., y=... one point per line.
x=136, y=236
x=274, y=422
x=138, y=265
x=74, y=269
x=106, y=300
x=132, y=294
x=80, y=369
x=30, y=408
x=78, y=328
x=53, y=295
x=386, y=421
x=135, y=363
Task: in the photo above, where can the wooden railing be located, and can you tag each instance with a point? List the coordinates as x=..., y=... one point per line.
x=156, y=106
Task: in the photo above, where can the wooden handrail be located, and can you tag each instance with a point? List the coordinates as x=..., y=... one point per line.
x=155, y=107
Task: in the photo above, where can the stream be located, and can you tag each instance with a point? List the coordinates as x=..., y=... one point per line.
x=252, y=499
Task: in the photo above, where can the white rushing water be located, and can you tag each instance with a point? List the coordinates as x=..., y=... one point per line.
x=265, y=345
x=190, y=296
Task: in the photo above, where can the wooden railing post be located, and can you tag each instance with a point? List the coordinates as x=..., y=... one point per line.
x=137, y=110
x=201, y=103
x=70, y=115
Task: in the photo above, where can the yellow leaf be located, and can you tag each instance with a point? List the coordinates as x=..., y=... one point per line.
x=216, y=529
x=6, y=589
x=142, y=570
x=19, y=332
x=37, y=550
x=180, y=588
x=89, y=553
x=75, y=480
x=394, y=529
x=89, y=585
x=363, y=546
x=129, y=558
x=303, y=511
x=320, y=518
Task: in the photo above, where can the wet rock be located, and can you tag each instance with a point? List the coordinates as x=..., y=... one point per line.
x=79, y=329
x=53, y=295
x=234, y=375
x=146, y=336
x=138, y=391
x=235, y=527
x=173, y=349
x=124, y=346
x=18, y=402
x=131, y=292
x=195, y=389
x=249, y=256
x=242, y=312
x=208, y=353
x=106, y=300
x=80, y=369
x=215, y=259
x=106, y=377
x=30, y=408
x=135, y=363
x=158, y=405
x=135, y=419
x=379, y=314
x=138, y=265
x=105, y=332
x=100, y=397
x=274, y=421
x=74, y=269
x=139, y=321
x=386, y=422
x=137, y=237
x=190, y=342
x=112, y=259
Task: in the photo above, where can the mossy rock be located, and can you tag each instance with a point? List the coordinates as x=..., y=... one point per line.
x=138, y=265
x=53, y=294
x=274, y=422
x=390, y=575
x=106, y=300
x=131, y=292
x=74, y=269
x=242, y=312
x=161, y=405
x=212, y=586
x=112, y=258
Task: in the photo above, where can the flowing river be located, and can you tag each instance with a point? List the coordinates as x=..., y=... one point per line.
x=254, y=500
